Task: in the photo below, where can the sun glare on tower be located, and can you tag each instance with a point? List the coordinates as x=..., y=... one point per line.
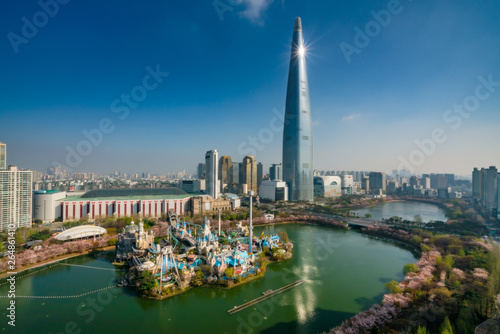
x=302, y=51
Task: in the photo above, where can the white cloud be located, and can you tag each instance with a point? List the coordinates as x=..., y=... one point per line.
x=254, y=9
x=351, y=117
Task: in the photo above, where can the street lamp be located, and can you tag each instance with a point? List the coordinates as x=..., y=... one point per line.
x=250, y=239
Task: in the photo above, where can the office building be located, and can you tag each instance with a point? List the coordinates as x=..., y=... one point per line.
x=225, y=172
x=236, y=173
x=347, y=184
x=276, y=172
x=477, y=183
x=200, y=171
x=377, y=182
x=260, y=173
x=297, y=133
x=273, y=190
x=426, y=182
x=212, y=173
x=249, y=173
x=192, y=186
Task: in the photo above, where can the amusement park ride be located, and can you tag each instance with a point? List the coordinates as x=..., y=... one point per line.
x=187, y=246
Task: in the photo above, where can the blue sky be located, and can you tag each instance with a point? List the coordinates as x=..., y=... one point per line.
x=227, y=71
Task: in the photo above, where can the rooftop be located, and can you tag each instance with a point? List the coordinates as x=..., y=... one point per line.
x=129, y=194
x=81, y=231
x=125, y=192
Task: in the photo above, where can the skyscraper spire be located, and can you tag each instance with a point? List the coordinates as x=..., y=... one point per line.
x=297, y=134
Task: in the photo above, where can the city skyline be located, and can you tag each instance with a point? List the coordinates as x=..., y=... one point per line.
x=368, y=90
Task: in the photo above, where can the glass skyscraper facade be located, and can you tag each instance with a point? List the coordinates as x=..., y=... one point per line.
x=297, y=134
x=212, y=173
x=3, y=156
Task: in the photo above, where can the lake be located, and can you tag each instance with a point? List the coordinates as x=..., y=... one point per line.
x=344, y=273
x=405, y=209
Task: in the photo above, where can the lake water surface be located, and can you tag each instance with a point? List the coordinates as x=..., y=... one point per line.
x=344, y=273
x=405, y=209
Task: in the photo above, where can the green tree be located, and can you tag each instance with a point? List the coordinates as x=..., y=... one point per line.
x=410, y=268
x=198, y=278
x=393, y=287
x=446, y=327
x=229, y=272
x=146, y=281
x=425, y=248
x=368, y=215
x=422, y=330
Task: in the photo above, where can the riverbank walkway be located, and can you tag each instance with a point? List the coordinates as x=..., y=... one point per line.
x=270, y=294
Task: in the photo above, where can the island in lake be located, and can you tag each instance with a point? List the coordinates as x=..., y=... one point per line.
x=192, y=255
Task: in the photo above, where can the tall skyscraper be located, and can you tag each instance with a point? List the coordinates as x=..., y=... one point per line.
x=260, y=173
x=201, y=171
x=236, y=173
x=3, y=156
x=15, y=198
x=491, y=187
x=498, y=196
x=212, y=173
x=476, y=183
x=276, y=172
x=249, y=173
x=297, y=133
x=225, y=171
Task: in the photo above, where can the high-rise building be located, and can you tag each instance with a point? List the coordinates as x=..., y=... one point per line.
x=212, y=173
x=377, y=181
x=347, y=184
x=236, y=173
x=249, y=173
x=276, y=172
x=201, y=171
x=498, y=196
x=225, y=172
x=3, y=156
x=297, y=133
x=426, y=182
x=414, y=181
x=490, y=190
x=260, y=173
x=450, y=179
x=15, y=198
x=476, y=183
